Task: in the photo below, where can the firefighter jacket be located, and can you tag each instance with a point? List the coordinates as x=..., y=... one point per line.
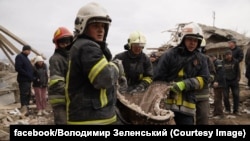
x=90, y=84
x=58, y=70
x=178, y=64
x=138, y=69
x=203, y=94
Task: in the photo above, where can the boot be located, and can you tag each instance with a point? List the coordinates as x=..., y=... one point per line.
x=39, y=113
x=25, y=110
x=44, y=112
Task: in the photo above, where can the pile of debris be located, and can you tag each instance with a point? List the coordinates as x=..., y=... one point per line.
x=147, y=107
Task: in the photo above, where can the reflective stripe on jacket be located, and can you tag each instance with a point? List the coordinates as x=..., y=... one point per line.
x=90, y=91
x=58, y=69
x=138, y=69
x=178, y=64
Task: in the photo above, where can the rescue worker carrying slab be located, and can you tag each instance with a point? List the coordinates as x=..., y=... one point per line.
x=92, y=76
x=186, y=69
x=137, y=65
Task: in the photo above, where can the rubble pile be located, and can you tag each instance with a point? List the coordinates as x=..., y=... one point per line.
x=147, y=107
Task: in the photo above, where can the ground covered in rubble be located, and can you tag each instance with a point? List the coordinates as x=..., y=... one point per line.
x=10, y=114
x=231, y=119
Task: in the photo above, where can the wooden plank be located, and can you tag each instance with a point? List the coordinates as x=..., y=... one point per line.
x=19, y=40
x=8, y=56
x=4, y=136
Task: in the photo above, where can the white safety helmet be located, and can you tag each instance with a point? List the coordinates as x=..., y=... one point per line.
x=202, y=47
x=203, y=43
x=192, y=30
x=90, y=13
x=136, y=37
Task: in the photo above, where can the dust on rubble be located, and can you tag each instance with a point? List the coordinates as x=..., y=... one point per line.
x=10, y=114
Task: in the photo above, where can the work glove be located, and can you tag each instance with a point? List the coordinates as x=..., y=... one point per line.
x=176, y=88
x=211, y=78
x=123, y=86
x=215, y=84
x=139, y=88
x=119, y=65
x=122, y=81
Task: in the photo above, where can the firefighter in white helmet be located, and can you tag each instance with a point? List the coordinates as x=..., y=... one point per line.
x=137, y=65
x=92, y=76
x=185, y=68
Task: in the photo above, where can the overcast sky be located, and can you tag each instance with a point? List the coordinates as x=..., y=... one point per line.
x=35, y=21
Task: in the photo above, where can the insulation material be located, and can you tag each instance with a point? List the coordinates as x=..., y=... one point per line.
x=145, y=107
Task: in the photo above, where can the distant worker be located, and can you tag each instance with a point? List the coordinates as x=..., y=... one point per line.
x=25, y=77
x=232, y=74
x=186, y=69
x=218, y=85
x=237, y=52
x=154, y=58
x=40, y=84
x=92, y=76
x=58, y=70
x=137, y=66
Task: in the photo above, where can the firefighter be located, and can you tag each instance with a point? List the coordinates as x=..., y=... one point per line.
x=92, y=76
x=185, y=68
x=202, y=96
x=137, y=65
x=58, y=70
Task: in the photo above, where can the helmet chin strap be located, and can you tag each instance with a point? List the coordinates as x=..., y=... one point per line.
x=132, y=55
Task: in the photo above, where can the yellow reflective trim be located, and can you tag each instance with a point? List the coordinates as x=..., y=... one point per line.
x=189, y=105
x=181, y=73
x=185, y=103
x=201, y=82
x=56, y=101
x=179, y=99
x=103, y=97
x=169, y=101
x=56, y=77
x=174, y=101
x=66, y=89
x=54, y=81
x=95, y=122
x=140, y=76
x=97, y=68
x=147, y=79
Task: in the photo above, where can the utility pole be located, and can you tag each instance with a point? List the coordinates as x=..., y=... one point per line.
x=213, y=18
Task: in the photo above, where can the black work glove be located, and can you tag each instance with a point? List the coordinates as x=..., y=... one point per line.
x=139, y=88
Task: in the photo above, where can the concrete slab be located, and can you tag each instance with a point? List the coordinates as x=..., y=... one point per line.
x=7, y=98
